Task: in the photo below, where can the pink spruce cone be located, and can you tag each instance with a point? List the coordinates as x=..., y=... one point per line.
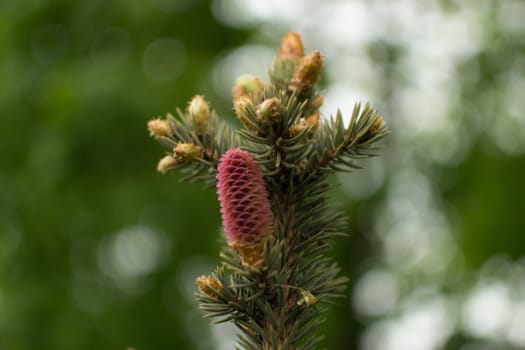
x=245, y=207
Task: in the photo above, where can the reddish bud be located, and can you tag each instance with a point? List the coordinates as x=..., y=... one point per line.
x=245, y=206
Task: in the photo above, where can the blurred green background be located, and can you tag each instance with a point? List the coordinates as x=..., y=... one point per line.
x=99, y=251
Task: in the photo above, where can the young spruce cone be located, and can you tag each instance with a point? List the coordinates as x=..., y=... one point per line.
x=245, y=208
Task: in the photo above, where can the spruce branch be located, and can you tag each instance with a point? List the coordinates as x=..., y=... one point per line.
x=276, y=276
x=196, y=138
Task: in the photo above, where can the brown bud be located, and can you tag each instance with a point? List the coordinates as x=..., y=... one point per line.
x=376, y=125
x=269, y=110
x=199, y=110
x=291, y=47
x=243, y=107
x=187, y=151
x=251, y=253
x=246, y=85
x=307, y=73
x=159, y=127
x=209, y=286
x=297, y=128
x=316, y=102
x=313, y=120
x=166, y=164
